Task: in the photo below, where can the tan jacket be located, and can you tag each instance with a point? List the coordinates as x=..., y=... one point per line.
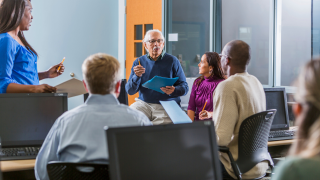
x=235, y=99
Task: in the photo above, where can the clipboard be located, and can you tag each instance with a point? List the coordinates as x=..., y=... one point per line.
x=158, y=82
x=73, y=87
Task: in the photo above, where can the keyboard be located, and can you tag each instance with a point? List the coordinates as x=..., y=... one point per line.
x=281, y=135
x=19, y=153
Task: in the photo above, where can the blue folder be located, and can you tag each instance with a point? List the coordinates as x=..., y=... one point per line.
x=176, y=114
x=158, y=82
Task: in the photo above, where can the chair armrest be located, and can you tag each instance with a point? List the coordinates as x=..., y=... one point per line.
x=224, y=149
x=234, y=165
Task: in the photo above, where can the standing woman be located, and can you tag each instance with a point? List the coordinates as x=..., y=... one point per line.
x=304, y=160
x=203, y=87
x=18, y=60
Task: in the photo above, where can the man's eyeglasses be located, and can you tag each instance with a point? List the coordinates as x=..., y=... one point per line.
x=152, y=41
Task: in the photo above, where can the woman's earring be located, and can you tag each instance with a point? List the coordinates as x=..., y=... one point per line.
x=210, y=72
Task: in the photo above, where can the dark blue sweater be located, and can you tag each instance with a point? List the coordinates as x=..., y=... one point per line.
x=168, y=66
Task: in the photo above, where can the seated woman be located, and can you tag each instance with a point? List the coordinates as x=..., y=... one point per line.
x=200, y=102
x=305, y=152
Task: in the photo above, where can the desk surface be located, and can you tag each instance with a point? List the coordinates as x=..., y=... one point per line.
x=17, y=165
x=281, y=143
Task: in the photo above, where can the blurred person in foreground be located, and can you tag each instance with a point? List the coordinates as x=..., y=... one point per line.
x=304, y=155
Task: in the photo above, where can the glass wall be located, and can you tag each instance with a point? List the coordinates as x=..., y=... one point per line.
x=250, y=21
x=187, y=27
x=316, y=28
x=295, y=38
x=283, y=34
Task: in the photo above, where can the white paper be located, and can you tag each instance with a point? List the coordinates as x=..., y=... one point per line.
x=173, y=37
x=73, y=87
x=176, y=114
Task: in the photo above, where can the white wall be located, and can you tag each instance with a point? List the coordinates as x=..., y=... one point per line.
x=73, y=29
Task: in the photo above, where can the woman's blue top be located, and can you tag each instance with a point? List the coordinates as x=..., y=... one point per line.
x=17, y=64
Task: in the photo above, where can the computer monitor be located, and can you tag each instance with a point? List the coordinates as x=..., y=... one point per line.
x=123, y=96
x=25, y=119
x=179, y=151
x=276, y=98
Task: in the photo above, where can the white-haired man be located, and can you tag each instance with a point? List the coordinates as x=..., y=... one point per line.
x=156, y=63
x=78, y=135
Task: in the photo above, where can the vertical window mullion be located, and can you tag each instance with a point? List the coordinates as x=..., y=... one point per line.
x=277, y=48
x=272, y=41
x=217, y=26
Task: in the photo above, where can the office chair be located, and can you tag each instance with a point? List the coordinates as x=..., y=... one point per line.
x=253, y=143
x=77, y=171
x=123, y=96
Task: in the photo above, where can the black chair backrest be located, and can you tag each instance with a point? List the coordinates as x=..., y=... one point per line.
x=123, y=96
x=253, y=140
x=77, y=171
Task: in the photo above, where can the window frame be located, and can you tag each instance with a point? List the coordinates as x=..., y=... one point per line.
x=274, y=37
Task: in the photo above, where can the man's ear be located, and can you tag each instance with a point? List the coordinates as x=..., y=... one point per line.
x=85, y=85
x=228, y=61
x=297, y=109
x=144, y=45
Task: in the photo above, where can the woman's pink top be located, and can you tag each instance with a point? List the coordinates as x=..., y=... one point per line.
x=200, y=94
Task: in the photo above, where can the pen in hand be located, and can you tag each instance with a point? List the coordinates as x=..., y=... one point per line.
x=61, y=63
x=204, y=107
x=138, y=69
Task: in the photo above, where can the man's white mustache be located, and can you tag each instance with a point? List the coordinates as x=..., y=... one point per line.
x=156, y=48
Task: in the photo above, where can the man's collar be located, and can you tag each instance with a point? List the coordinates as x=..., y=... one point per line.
x=102, y=99
x=159, y=57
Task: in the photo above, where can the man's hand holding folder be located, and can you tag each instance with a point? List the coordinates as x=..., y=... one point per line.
x=168, y=89
x=161, y=84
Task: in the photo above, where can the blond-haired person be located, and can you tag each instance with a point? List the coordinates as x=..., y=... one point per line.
x=78, y=135
x=304, y=160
